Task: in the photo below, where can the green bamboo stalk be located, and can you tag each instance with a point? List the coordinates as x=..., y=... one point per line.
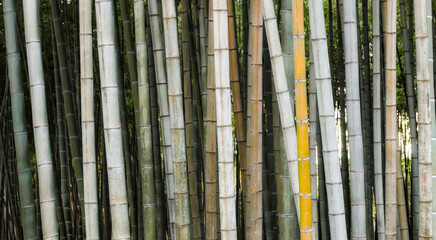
x=377, y=126
x=111, y=119
x=182, y=208
x=162, y=91
x=40, y=122
x=189, y=112
x=159, y=192
x=145, y=149
x=24, y=170
x=88, y=124
x=70, y=115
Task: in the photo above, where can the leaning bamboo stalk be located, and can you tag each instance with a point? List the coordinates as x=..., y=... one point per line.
x=288, y=59
x=327, y=121
x=181, y=195
x=283, y=96
x=161, y=82
x=302, y=121
x=19, y=122
x=44, y=162
x=188, y=113
x=224, y=121
x=391, y=121
x=88, y=124
x=377, y=127
x=145, y=145
x=111, y=119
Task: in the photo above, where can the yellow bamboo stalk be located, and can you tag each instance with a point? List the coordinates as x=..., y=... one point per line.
x=302, y=120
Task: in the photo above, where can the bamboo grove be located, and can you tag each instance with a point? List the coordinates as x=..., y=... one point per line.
x=217, y=119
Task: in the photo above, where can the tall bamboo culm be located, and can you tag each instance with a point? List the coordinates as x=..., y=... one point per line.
x=28, y=214
x=111, y=119
x=302, y=120
x=391, y=119
x=88, y=125
x=41, y=134
x=281, y=88
x=145, y=145
x=224, y=122
x=357, y=181
x=175, y=96
x=424, y=118
x=377, y=127
x=162, y=92
x=288, y=59
x=327, y=121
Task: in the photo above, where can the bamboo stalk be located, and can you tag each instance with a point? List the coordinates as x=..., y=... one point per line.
x=327, y=120
x=181, y=195
x=145, y=149
x=24, y=170
x=401, y=199
x=161, y=82
x=111, y=119
x=224, y=121
x=389, y=12
x=377, y=126
x=302, y=121
x=189, y=112
x=88, y=125
x=40, y=120
x=283, y=96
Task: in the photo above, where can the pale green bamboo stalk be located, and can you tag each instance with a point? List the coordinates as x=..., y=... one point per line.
x=145, y=145
x=338, y=228
x=159, y=193
x=357, y=181
x=111, y=119
x=162, y=91
x=181, y=195
x=88, y=124
x=24, y=170
x=224, y=121
x=40, y=120
x=377, y=127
